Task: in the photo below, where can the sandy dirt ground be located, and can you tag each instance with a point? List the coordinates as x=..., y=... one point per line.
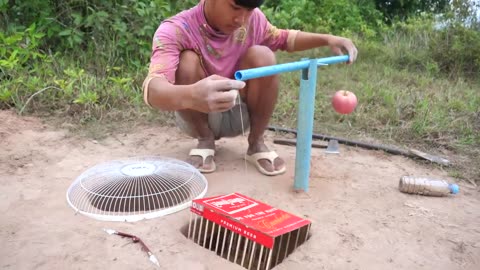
x=360, y=219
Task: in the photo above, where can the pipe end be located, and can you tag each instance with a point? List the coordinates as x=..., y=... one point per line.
x=238, y=76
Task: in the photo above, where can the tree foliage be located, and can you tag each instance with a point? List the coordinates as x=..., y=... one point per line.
x=120, y=31
x=92, y=25
x=404, y=9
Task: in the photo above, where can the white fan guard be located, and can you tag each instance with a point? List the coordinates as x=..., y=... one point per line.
x=136, y=188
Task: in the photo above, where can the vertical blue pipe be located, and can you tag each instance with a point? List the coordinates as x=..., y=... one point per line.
x=306, y=108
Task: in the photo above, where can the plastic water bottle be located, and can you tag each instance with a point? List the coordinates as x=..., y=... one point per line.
x=426, y=186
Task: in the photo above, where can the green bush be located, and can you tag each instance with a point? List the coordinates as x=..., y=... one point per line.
x=328, y=16
x=118, y=31
x=456, y=50
x=80, y=57
x=418, y=44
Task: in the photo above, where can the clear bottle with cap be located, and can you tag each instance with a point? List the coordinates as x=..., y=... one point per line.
x=427, y=186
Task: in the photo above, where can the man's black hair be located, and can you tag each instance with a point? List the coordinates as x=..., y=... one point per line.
x=249, y=3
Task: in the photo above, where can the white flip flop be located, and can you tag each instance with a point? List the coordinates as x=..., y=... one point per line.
x=204, y=153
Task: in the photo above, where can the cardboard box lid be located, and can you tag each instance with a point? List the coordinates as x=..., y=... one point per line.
x=251, y=218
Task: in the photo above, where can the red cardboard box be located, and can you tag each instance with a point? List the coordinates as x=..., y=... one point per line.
x=252, y=219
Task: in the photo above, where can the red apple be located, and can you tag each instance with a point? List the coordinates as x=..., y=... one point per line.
x=344, y=102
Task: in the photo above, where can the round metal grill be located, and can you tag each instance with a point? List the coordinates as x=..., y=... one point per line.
x=136, y=188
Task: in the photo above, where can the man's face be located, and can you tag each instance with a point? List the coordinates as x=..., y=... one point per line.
x=228, y=16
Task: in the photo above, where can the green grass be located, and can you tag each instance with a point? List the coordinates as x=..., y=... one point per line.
x=402, y=105
x=396, y=106
x=394, y=103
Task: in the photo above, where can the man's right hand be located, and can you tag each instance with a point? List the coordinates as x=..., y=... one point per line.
x=215, y=94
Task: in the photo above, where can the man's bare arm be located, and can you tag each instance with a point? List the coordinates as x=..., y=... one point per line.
x=339, y=45
x=169, y=97
x=213, y=93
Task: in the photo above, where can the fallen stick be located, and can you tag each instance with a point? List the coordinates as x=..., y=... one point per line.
x=294, y=143
x=412, y=153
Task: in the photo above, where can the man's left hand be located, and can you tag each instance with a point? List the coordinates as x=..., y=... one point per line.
x=340, y=45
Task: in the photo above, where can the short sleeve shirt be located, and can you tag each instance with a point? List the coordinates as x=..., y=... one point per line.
x=219, y=53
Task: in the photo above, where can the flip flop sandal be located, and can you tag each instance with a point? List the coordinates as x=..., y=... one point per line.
x=270, y=156
x=204, y=153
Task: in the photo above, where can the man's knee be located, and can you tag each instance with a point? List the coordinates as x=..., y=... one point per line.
x=189, y=68
x=259, y=56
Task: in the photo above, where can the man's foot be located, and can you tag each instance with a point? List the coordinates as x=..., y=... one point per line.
x=202, y=156
x=267, y=162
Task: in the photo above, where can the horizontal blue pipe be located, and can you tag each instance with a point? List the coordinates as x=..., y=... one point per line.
x=253, y=73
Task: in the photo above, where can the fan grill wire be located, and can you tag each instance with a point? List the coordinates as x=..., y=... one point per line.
x=135, y=189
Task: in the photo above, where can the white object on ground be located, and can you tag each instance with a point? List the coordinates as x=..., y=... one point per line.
x=135, y=189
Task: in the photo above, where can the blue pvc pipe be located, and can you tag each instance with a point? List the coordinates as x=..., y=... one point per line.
x=253, y=73
x=306, y=109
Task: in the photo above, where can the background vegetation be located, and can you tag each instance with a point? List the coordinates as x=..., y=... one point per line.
x=417, y=76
